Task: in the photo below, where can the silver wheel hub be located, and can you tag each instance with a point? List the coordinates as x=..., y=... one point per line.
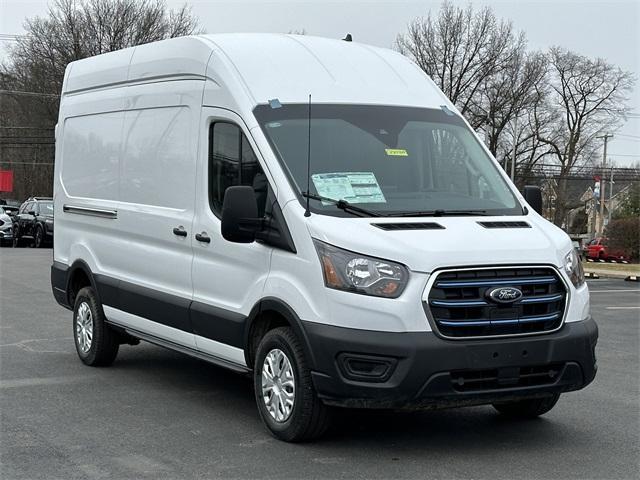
x=84, y=327
x=278, y=385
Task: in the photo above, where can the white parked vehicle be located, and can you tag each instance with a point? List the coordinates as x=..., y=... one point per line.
x=318, y=214
x=6, y=227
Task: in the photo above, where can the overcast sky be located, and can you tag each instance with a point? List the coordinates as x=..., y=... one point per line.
x=596, y=28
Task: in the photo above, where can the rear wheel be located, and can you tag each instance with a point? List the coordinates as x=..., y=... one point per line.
x=286, y=398
x=96, y=343
x=530, y=408
x=15, y=243
x=38, y=240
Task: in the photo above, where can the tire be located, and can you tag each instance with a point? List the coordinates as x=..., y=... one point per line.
x=38, y=239
x=308, y=417
x=15, y=243
x=530, y=408
x=89, y=324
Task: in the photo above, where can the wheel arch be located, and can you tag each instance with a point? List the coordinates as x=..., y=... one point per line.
x=269, y=313
x=79, y=276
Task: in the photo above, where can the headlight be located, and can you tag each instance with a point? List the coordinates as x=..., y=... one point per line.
x=573, y=267
x=352, y=272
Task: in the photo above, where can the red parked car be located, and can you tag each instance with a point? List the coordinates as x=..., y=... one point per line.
x=598, y=249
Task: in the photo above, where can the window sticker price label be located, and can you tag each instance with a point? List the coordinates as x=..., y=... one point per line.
x=354, y=187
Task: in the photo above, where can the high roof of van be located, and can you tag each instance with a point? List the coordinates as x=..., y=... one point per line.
x=267, y=66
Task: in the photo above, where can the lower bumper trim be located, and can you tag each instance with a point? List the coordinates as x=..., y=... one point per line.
x=432, y=372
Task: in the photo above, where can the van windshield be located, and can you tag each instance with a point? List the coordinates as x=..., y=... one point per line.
x=387, y=160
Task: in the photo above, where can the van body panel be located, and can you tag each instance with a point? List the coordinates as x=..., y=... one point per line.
x=179, y=57
x=270, y=66
x=157, y=175
x=113, y=69
x=220, y=267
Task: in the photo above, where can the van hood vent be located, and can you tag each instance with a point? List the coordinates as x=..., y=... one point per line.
x=409, y=226
x=504, y=224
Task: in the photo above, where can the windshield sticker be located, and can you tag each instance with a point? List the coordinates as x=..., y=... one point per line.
x=396, y=152
x=354, y=187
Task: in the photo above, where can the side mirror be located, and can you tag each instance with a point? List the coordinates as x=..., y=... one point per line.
x=239, y=215
x=533, y=196
x=32, y=212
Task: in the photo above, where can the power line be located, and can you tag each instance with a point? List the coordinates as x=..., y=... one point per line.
x=27, y=128
x=29, y=94
x=9, y=37
x=14, y=162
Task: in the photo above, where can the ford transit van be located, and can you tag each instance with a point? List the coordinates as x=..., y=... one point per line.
x=314, y=213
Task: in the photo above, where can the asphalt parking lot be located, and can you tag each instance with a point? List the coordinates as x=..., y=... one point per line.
x=158, y=414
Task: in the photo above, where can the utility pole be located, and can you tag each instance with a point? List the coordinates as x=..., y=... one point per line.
x=606, y=138
x=515, y=143
x=611, y=182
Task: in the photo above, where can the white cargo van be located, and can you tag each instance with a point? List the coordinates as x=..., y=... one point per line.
x=318, y=214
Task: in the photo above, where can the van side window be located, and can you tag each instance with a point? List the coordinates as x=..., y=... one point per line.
x=233, y=162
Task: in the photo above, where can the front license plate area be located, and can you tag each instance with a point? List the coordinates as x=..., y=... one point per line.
x=509, y=354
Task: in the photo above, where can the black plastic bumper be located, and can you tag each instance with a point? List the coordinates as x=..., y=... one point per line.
x=422, y=370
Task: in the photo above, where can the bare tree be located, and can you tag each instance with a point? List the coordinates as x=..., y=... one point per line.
x=71, y=30
x=508, y=94
x=460, y=50
x=588, y=97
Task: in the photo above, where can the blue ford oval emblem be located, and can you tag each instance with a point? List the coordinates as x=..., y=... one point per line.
x=504, y=294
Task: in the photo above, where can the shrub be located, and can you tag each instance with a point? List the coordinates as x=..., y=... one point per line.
x=624, y=235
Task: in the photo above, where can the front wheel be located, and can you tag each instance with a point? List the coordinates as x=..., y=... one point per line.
x=97, y=344
x=286, y=398
x=530, y=408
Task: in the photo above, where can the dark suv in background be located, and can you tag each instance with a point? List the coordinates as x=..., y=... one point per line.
x=34, y=223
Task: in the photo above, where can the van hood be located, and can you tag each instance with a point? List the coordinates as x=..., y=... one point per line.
x=458, y=241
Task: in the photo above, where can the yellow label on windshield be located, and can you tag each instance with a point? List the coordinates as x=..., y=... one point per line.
x=396, y=152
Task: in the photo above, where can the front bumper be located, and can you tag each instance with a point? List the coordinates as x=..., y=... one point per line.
x=422, y=370
x=6, y=234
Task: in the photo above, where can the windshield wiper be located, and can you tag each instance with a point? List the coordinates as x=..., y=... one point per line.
x=343, y=205
x=441, y=213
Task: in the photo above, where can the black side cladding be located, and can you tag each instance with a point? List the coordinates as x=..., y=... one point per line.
x=173, y=311
x=59, y=280
x=218, y=324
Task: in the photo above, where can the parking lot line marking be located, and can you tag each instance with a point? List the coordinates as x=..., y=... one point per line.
x=39, y=381
x=614, y=291
x=622, y=308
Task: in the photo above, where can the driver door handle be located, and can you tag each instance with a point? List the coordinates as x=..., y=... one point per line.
x=180, y=231
x=203, y=237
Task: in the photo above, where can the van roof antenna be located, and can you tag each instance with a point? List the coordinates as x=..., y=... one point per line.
x=348, y=38
x=307, y=212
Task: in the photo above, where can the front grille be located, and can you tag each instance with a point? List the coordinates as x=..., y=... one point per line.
x=496, y=379
x=460, y=306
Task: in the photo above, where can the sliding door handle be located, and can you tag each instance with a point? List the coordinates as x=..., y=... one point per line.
x=180, y=231
x=203, y=237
